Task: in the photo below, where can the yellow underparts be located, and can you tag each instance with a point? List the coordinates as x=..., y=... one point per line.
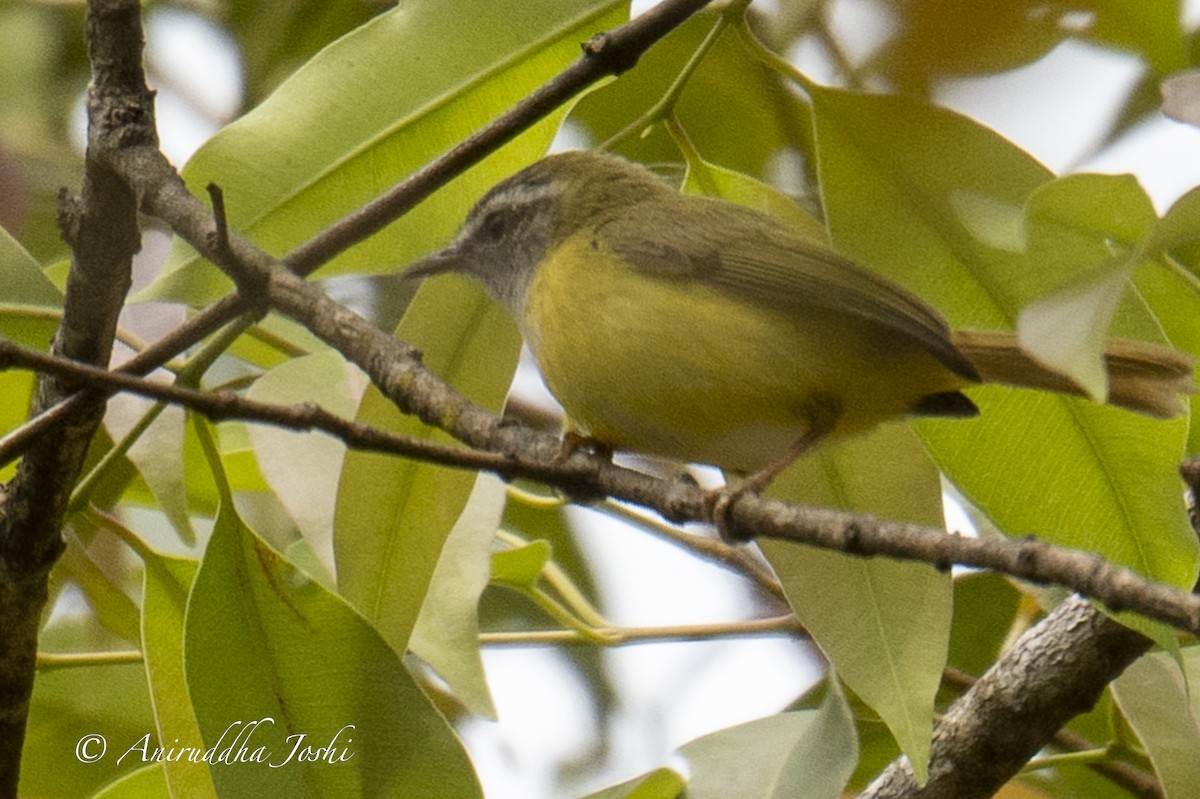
x=673, y=367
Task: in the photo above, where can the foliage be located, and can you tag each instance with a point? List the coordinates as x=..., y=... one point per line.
x=263, y=575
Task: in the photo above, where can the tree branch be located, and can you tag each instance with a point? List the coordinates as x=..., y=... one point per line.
x=1084, y=572
x=102, y=230
x=605, y=54
x=196, y=329
x=395, y=368
x=1055, y=671
x=624, y=636
x=304, y=417
x=1025, y=699
x=608, y=53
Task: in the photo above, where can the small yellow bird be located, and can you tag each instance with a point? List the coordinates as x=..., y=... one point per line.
x=698, y=330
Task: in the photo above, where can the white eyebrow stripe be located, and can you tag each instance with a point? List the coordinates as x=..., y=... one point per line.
x=514, y=196
x=524, y=194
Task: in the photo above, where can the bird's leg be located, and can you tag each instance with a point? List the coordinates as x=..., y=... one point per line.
x=824, y=415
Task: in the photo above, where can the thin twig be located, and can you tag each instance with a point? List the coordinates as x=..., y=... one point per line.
x=623, y=636
x=736, y=559
x=606, y=54
x=217, y=197
x=609, y=53
x=18, y=441
x=303, y=417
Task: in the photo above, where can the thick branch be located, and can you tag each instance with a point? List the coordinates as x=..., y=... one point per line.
x=102, y=230
x=1055, y=671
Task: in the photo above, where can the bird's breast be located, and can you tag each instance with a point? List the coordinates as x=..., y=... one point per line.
x=671, y=366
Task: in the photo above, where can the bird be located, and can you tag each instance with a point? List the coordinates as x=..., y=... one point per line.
x=702, y=331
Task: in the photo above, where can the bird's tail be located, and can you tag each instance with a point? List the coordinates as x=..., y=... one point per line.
x=1143, y=377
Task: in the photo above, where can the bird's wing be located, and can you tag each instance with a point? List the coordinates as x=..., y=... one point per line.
x=751, y=256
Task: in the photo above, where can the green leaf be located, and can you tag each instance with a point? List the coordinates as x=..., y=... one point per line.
x=938, y=39
x=277, y=35
x=165, y=591
x=1174, y=297
x=393, y=515
x=522, y=566
x=661, y=783
x=772, y=122
x=146, y=781
x=809, y=753
x=1067, y=330
x=1077, y=474
x=23, y=281
x=16, y=391
x=158, y=455
x=303, y=469
x=896, y=176
x=273, y=340
x=1100, y=212
x=113, y=607
x=1155, y=699
x=1179, y=226
x=266, y=644
x=883, y=624
x=446, y=635
x=985, y=607
x=371, y=108
x=29, y=314
x=69, y=704
x=29, y=309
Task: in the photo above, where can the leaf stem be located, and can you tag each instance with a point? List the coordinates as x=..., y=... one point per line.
x=623, y=636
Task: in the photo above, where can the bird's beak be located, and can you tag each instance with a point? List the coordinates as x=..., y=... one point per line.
x=438, y=263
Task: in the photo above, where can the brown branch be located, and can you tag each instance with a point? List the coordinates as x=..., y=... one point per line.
x=1137, y=782
x=102, y=230
x=1084, y=572
x=1055, y=671
x=609, y=53
x=304, y=417
x=605, y=54
x=396, y=370
x=199, y=327
x=1058, y=669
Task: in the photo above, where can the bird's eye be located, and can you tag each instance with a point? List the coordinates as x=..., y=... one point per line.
x=496, y=224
